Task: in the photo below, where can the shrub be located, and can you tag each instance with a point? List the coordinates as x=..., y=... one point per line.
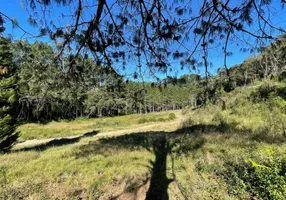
x=161, y=119
x=8, y=98
x=94, y=192
x=263, y=92
x=172, y=116
x=262, y=176
x=152, y=119
x=188, y=123
x=142, y=121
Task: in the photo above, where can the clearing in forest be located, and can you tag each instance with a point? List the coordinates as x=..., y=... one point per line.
x=214, y=152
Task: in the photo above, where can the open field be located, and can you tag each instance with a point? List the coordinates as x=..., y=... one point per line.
x=208, y=153
x=83, y=125
x=56, y=167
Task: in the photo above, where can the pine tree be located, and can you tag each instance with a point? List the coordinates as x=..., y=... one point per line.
x=8, y=97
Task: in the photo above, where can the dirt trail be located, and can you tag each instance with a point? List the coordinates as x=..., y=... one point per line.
x=158, y=126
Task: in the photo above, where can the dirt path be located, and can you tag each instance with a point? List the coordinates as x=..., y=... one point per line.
x=158, y=126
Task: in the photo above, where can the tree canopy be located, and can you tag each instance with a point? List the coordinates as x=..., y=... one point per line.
x=8, y=97
x=153, y=32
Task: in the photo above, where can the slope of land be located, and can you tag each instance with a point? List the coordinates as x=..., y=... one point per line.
x=233, y=149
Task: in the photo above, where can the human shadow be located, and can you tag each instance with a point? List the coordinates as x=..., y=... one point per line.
x=58, y=142
x=164, y=144
x=159, y=181
x=161, y=144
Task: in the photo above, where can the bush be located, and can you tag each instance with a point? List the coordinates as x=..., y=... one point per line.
x=263, y=92
x=161, y=119
x=188, y=123
x=263, y=177
x=142, y=121
x=94, y=192
x=172, y=116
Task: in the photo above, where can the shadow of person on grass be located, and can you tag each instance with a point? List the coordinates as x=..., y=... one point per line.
x=161, y=144
x=159, y=181
x=58, y=142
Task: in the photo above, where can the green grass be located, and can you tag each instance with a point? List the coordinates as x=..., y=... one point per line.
x=247, y=110
x=59, y=172
x=150, y=118
x=108, y=166
x=82, y=125
x=246, y=148
x=215, y=154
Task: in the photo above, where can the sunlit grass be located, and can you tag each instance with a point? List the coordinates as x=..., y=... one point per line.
x=58, y=172
x=82, y=125
x=216, y=147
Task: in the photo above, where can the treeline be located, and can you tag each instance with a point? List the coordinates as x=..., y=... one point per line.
x=269, y=64
x=52, y=89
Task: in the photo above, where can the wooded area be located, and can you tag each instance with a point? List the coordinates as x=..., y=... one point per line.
x=50, y=90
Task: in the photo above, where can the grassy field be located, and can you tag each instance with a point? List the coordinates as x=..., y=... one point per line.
x=82, y=125
x=82, y=166
x=208, y=153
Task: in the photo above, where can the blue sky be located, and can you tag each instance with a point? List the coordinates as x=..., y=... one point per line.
x=14, y=9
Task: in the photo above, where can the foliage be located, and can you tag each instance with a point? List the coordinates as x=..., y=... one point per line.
x=263, y=177
x=54, y=90
x=255, y=112
x=172, y=116
x=8, y=97
x=219, y=151
x=118, y=31
x=78, y=87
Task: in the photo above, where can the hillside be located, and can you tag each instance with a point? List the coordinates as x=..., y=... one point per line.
x=219, y=151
